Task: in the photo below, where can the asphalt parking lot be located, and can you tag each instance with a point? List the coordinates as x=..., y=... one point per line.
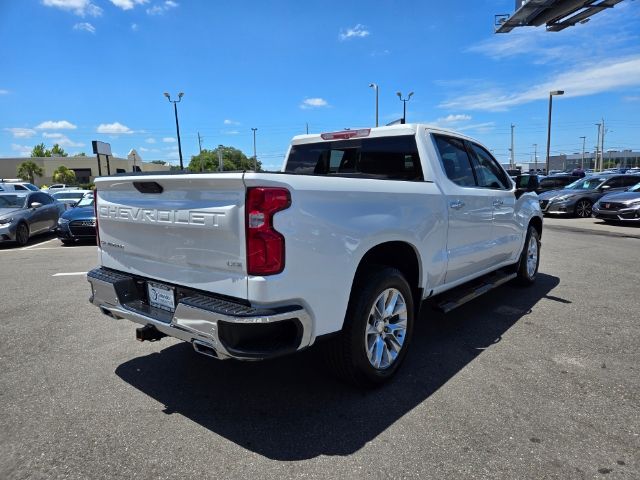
x=541, y=382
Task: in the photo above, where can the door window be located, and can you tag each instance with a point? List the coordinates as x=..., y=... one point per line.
x=455, y=160
x=488, y=172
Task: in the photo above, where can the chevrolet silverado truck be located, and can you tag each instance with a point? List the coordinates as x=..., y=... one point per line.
x=342, y=245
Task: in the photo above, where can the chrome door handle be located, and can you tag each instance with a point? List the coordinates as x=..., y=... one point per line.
x=456, y=204
x=497, y=203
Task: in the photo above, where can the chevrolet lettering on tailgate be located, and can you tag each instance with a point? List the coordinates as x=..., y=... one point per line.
x=155, y=215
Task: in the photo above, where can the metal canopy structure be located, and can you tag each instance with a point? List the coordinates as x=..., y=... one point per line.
x=556, y=14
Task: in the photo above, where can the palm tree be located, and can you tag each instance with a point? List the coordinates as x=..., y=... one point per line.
x=29, y=170
x=64, y=175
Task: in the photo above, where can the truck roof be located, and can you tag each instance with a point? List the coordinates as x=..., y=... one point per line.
x=386, y=131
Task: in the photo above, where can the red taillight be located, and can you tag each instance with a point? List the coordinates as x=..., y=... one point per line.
x=95, y=212
x=265, y=246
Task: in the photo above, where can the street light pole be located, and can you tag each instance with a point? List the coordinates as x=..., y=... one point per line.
x=255, y=157
x=584, y=139
x=175, y=111
x=404, y=105
x=375, y=87
x=551, y=94
x=535, y=156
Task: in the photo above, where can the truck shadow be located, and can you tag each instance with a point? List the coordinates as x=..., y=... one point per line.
x=293, y=409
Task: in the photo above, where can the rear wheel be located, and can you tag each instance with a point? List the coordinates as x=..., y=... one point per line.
x=377, y=329
x=529, y=258
x=22, y=234
x=583, y=209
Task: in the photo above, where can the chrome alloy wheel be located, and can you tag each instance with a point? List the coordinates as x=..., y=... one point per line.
x=532, y=256
x=386, y=329
x=583, y=209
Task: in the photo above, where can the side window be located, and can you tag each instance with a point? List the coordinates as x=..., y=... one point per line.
x=455, y=160
x=629, y=181
x=488, y=172
x=615, y=182
x=40, y=198
x=19, y=187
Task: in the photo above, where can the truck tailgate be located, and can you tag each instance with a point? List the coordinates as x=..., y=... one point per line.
x=190, y=234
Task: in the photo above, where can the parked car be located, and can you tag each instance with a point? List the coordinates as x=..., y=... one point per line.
x=555, y=182
x=25, y=214
x=619, y=206
x=58, y=187
x=71, y=197
x=577, y=199
x=18, y=187
x=342, y=245
x=78, y=223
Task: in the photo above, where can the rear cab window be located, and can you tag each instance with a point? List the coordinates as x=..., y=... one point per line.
x=384, y=158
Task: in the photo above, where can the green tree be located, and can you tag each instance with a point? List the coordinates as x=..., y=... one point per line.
x=232, y=159
x=58, y=151
x=40, y=151
x=29, y=170
x=81, y=154
x=63, y=174
x=159, y=162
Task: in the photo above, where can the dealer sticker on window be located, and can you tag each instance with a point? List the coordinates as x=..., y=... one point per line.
x=161, y=296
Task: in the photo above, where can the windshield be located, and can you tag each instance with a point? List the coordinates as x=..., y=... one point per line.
x=586, y=183
x=31, y=187
x=68, y=195
x=12, y=201
x=635, y=188
x=86, y=201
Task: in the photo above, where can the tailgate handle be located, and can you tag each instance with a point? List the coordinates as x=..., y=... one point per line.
x=148, y=187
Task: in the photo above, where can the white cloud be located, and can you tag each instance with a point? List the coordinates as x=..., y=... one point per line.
x=18, y=132
x=162, y=8
x=168, y=139
x=134, y=27
x=484, y=127
x=115, y=128
x=449, y=119
x=56, y=125
x=230, y=132
x=79, y=7
x=128, y=4
x=86, y=26
x=65, y=141
x=231, y=122
x=23, y=150
x=314, y=103
x=359, y=31
x=4, y=92
x=631, y=98
x=578, y=81
x=52, y=135
x=150, y=140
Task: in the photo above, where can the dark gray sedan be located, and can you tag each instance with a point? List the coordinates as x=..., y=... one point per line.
x=24, y=214
x=577, y=199
x=619, y=207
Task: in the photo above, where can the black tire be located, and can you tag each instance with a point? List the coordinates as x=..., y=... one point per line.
x=347, y=352
x=527, y=275
x=583, y=208
x=22, y=234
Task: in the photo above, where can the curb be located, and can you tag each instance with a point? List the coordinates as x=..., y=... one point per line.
x=592, y=231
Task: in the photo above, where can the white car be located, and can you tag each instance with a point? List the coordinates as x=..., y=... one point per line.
x=71, y=197
x=18, y=187
x=58, y=187
x=342, y=245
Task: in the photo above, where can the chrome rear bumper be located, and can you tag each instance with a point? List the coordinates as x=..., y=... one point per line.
x=204, y=321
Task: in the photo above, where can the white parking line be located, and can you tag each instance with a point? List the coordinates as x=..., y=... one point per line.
x=68, y=274
x=38, y=244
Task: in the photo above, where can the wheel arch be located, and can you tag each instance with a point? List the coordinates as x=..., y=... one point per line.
x=536, y=222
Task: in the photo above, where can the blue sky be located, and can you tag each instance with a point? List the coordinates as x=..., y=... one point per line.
x=80, y=70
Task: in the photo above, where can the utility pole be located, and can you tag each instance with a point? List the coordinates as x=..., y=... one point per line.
x=255, y=157
x=597, y=147
x=200, y=148
x=513, y=157
x=535, y=156
x=584, y=139
x=307, y=128
x=602, y=146
x=220, y=164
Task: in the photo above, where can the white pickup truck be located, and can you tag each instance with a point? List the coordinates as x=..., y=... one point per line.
x=342, y=245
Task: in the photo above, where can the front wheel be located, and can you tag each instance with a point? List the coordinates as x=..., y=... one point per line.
x=377, y=329
x=529, y=258
x=22, y=234
x=583, y=209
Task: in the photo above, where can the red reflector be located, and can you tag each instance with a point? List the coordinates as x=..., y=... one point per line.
x=265, y=245
x=346, y=134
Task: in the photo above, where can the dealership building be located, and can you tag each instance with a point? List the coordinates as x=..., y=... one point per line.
x=85, y=168
x=612, y=159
